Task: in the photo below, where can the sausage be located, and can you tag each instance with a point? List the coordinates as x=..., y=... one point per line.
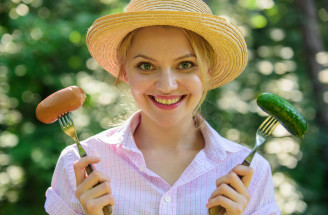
x=60, y=102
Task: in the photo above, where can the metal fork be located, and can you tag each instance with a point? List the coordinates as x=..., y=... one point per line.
x=67, y=125
x=262, y=134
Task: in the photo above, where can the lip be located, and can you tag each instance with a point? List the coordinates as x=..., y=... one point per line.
x=167, y=107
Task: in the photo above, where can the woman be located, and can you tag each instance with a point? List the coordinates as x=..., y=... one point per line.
x=165, y=159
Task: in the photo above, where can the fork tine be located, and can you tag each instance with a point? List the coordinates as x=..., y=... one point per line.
x=276, y=123
x=69, y=118
x=267, y=126
x=60, y=122
x=66, y=119
x=265, y=123
x=63, y=121
x=270, y=126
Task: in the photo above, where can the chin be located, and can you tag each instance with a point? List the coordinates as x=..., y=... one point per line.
x=171, y=120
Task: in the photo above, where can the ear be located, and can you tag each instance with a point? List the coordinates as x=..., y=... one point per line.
x=123, y=75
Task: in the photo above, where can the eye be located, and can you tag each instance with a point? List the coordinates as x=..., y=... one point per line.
x=185, y=65
x=145, y=66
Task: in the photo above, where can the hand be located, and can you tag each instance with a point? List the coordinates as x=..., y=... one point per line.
x=232, y=190
x=94, y=192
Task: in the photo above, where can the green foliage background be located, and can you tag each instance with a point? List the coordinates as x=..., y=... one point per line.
x=42, y=50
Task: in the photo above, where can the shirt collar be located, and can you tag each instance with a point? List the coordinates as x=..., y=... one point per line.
x=216, y=147
x=123, y=135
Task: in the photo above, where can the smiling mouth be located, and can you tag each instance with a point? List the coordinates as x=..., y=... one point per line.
x=167, y=101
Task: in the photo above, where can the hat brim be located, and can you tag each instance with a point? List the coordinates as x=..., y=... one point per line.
x=106, y=33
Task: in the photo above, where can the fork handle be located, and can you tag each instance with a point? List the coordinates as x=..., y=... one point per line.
x=245, y=163
x=89, y=169
x=108, y=208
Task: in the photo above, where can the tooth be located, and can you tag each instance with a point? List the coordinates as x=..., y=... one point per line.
x=167, y=101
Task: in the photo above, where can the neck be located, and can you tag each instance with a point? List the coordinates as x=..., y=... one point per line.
x=183, y=135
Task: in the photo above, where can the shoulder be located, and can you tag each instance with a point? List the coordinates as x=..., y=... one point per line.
x=68, y=155
x=233, y=146
x=109, y=136
x=260, y=165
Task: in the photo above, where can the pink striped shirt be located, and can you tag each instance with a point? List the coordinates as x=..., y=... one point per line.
x=137, y=190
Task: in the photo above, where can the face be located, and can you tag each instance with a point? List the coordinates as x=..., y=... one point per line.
x=162, y=72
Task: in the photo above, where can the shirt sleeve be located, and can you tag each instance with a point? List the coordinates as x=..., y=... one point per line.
x=60, y=197
x=261, y=190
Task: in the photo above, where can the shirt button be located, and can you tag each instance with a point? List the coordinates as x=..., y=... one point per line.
x=141, y=169
x=167, y=199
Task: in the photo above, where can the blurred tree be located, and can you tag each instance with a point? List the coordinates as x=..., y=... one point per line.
x=313, y=47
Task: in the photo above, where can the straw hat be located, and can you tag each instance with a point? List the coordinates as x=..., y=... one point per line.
x=107, y=32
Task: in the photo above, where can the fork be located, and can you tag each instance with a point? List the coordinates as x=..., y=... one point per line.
x=262, y=134
x=67, y=125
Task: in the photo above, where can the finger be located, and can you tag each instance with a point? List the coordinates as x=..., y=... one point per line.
x=96, y=205
x=95, y=192
x=221, y=201
x=107, y=199
x=80, y=165
x=231, y=206
x=235, y=182
x=94, y=179
x=225, y=190
x=245, y=172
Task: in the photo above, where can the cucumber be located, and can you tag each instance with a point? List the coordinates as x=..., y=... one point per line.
x=283, y=111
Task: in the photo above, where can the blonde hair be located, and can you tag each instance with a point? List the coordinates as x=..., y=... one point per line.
x=206, y=58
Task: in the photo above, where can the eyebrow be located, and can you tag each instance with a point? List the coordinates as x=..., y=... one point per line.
x=144, y=56
x=152, y=59
x=186, y=56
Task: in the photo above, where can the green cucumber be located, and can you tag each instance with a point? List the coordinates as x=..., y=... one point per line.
x=283, y=111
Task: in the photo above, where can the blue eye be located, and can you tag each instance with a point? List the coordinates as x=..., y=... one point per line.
x=145, y=66
x=185, y=65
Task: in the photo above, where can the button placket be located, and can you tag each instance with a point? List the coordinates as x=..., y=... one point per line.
x=168, y=199
x=168, y=203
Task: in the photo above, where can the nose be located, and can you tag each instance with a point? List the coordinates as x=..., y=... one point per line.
x=167, y=81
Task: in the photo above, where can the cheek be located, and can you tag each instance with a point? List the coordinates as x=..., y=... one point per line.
x=138, y=85
x=195, y=85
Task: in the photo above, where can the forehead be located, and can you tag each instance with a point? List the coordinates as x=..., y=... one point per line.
x=158, y=29
x=160, y=38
